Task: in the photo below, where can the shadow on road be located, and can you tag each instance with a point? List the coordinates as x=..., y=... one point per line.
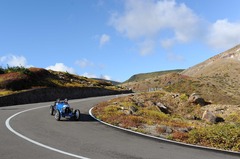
x=86, y=118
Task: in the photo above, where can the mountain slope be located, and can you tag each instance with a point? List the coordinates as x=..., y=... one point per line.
x=217, y=79
x=226, y=62
x=143, y=76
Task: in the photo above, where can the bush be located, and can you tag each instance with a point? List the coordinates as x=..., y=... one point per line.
x=223, y=136
x=2, y=71
x=234, y=117
x=184, y=97
x=19, y=69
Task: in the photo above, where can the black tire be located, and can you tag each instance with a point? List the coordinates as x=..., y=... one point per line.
x=77, y=114
x=57, y=115
x=51, y=110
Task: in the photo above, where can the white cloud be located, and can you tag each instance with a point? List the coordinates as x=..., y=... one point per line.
x=104, y=39
x=174, y=57
x=61, y=67
x=84, y=63
x=224, y=34
x=146, y=47
x=90, y=75
x=106, y=77
x=13, y=60
x=167, y=43
x=143, y=19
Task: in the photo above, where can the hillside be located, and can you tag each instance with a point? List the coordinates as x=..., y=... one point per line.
x=216, y=79
x=17, y=79
x=227, y=62
x=143, y=76
x=200, y=105
x=110, y=81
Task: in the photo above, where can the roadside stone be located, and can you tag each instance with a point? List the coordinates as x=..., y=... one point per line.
x=133, y=109
x=149, y=103
x=163, y=129
x=184, y=130
x=196, y=99
x=169, y=130
x=208, y=116
x=127, y=112
x=140, y=104
x=162, y=108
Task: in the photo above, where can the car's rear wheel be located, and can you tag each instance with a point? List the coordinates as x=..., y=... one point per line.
x=51, y=110
x=57, y=115
x=77, y=114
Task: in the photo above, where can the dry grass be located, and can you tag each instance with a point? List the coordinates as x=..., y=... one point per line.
x=176, y=125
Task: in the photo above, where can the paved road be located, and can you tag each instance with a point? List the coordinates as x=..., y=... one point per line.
x=82, y=139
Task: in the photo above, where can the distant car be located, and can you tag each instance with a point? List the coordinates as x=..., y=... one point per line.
x=61, y=109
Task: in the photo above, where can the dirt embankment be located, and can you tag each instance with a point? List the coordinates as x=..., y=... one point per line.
x=50, y=94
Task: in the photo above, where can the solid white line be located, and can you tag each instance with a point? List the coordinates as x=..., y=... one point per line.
x=35, y=142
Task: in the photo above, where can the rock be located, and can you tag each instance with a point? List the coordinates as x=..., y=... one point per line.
x=133, y=109
x=208, y=116
x=165, y=129
x=162, y=108
x=219, y=119
x=140, y=104
x=184, y=130
x=169, y=130
x=127, y=112
x=175, y=95
x=192, y=117
x=149, y=103
x=196, y=99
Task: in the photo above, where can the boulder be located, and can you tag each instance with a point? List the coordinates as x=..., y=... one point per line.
x=196, y=99
x=208, y=116
x=162, y=108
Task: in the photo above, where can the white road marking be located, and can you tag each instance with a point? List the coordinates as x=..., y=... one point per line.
x=35, y=142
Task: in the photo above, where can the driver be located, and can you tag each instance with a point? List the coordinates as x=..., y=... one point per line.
x=66, y=101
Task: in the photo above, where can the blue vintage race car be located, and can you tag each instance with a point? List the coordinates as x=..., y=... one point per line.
x=61, y=109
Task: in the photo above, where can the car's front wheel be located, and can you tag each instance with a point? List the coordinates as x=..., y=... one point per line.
x=77, y=114
x=57, y=115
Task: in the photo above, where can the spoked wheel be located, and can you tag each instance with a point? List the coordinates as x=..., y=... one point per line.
x=77, y=114
x=57, y=115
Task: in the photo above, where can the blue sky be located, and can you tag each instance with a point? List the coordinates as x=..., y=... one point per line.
x=115, y=39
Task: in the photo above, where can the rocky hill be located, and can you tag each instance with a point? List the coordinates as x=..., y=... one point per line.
x=200, y=105
x=216, y=79
x=224, y=63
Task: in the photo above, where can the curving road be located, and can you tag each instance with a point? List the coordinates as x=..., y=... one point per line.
x=82, y=139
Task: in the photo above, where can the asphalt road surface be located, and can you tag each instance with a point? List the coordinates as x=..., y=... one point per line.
x=34, y=134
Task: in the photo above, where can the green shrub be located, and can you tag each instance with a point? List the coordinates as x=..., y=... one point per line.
x=2, y=70
x=20, y=69
x=184, y=97
x=234, y=117
x=224, y=136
